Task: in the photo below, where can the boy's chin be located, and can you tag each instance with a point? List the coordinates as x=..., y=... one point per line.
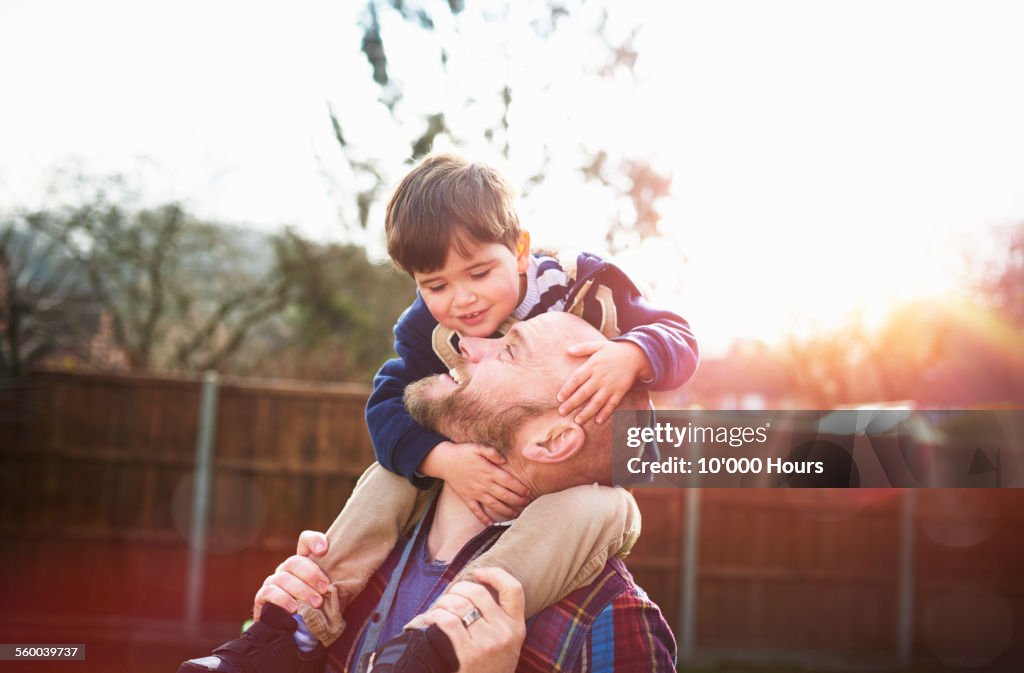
x=477, y=332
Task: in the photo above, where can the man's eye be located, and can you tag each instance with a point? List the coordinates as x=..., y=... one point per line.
x=481, y=275
x=508, y=353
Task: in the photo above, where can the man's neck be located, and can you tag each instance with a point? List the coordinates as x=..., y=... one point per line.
x=453, y=526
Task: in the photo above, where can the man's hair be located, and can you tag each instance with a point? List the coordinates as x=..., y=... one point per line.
x=469, y=415
x=447, y=201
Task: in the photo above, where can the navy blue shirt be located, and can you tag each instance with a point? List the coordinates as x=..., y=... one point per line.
x=598, y=291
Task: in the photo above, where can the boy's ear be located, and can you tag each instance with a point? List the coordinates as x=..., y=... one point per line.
x=523, y=251
x=554, y=442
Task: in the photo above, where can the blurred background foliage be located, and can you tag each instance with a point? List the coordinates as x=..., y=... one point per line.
x=100, y=280
x=106, y=285
x=103, y=284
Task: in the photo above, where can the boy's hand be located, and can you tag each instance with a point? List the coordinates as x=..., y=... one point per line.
x=600, y=383
x=474, y=472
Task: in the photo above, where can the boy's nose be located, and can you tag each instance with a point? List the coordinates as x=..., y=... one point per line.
x=464, y=298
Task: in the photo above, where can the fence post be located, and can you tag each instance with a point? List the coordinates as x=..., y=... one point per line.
x=200, y=501
x=905, y=621
x=688, y=585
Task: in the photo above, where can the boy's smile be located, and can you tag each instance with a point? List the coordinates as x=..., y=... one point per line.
x=474, y=294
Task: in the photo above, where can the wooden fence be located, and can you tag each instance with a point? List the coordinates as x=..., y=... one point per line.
x=96, y=475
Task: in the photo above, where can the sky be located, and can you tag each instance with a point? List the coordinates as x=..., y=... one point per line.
x=827, y=157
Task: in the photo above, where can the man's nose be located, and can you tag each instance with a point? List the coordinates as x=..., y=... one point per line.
x=476, y=349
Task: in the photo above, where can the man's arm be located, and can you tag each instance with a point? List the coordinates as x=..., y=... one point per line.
x=498, y=626
x=631, y=636
x=297, y=578
x=484, y=621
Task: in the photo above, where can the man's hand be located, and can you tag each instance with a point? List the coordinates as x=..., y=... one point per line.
x=474, y=472
x=492, y=642
x=599, y=384
x=297, y=578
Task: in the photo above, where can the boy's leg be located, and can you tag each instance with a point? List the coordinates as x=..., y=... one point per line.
x=561, y=541
x=359, y=541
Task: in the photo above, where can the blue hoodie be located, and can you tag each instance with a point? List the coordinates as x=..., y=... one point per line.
x=598, y=291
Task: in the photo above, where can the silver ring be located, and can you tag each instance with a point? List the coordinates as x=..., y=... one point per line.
x=470, y=617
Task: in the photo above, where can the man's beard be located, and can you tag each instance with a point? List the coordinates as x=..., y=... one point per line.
x=467, y=416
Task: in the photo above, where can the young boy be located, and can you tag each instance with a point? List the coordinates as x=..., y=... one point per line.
x=451, y=225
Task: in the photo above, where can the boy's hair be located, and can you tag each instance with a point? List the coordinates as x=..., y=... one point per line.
x=447, y=201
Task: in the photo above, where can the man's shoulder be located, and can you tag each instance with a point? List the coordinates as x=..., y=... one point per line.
x=612, y=609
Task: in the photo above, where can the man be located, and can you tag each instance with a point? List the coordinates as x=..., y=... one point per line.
x=503, y=394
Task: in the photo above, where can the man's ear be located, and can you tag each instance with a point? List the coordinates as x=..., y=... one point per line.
x=523, y=252
x=555, y=442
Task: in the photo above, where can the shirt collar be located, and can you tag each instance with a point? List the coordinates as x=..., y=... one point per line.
x=532, y=296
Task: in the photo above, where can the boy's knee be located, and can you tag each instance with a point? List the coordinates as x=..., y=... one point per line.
x=598, y=503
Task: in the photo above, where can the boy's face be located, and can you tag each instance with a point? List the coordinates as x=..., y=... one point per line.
x=473, y=295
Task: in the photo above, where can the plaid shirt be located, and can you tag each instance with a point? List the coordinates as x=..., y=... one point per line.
x=608, y=625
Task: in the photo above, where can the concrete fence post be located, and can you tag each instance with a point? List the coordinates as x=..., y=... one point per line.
x=201, y=486
x=688, y=583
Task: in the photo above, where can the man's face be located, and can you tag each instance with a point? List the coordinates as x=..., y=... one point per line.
x=484, y=398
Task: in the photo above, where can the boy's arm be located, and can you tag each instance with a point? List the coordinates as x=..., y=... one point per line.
x=399, y=442
x=664, y=337
x=402, y=445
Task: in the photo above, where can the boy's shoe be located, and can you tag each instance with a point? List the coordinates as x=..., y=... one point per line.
x=268, y=646
x=414, y=651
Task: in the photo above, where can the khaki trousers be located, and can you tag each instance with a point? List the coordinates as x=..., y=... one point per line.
x=557, y=544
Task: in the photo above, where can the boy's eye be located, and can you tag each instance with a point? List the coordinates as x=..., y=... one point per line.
x=480, y=275
x=437, y=288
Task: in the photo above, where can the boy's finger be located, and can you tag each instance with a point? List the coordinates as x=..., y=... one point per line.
x=609, y=408
x=505, y=479
x=584, y=349
x=568, y=388
x=479, y=513
x=584, y=394
x=491, y=454
x=575, y=380
x=593, y=406
x=495, y=506
x=510, y=498
x=578, y=399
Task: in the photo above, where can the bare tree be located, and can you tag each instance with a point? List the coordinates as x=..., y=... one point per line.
x=485, y=109
x=183, y=293
x=45, y=304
